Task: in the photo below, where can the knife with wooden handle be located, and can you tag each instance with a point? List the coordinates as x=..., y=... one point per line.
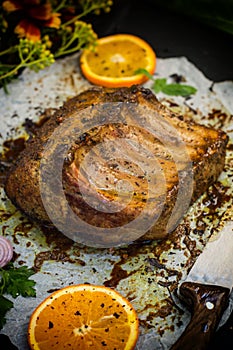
x=206, y=291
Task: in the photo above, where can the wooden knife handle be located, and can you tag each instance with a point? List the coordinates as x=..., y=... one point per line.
x=207, y=304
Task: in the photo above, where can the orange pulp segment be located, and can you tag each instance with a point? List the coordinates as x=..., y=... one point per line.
x=115, y=60
x=84, y=317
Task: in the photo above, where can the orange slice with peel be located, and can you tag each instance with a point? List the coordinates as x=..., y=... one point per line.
x=115, y=60
x=84, y=317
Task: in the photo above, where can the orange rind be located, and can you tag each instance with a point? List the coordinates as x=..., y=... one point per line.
x=116, y=59
x=84, y=317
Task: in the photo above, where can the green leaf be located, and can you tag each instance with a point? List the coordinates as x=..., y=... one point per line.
x=145, y=72
x=14, y=281
x=19, y=272
x=159, y=85
x=5, y=305
x=4, y=280
x=21, y=287
x=178, y=90
x=18, y=282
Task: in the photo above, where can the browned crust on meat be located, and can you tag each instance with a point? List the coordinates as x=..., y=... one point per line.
x=207, y=149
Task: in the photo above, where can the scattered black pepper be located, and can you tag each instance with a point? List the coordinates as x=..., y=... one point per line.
x=50, y=325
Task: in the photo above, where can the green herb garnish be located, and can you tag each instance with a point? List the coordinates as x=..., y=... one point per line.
x=178, y=90
x=14, y=281
x=161, y=85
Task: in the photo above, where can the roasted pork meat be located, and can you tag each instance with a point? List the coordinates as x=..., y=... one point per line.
x=116, y=155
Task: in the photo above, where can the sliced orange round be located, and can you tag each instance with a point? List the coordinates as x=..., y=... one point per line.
x=84, y=317
x=115, y=60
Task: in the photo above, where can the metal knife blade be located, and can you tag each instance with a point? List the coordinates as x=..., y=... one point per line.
x=206, y=290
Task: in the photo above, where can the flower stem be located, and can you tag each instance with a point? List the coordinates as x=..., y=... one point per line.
x=9, y=50
x=83, y=14
x=60, y=6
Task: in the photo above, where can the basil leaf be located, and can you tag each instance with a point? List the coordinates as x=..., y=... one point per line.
x=178, y=90
x=159, y=85
x=168, y=89
x=145, y=72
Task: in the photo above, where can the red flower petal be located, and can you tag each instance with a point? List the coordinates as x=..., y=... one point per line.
x=12, y=5
x=26, y=29
x=31, y=2
x=42, y=13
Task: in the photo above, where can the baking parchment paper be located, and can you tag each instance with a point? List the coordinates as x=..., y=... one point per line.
x=146, y=273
